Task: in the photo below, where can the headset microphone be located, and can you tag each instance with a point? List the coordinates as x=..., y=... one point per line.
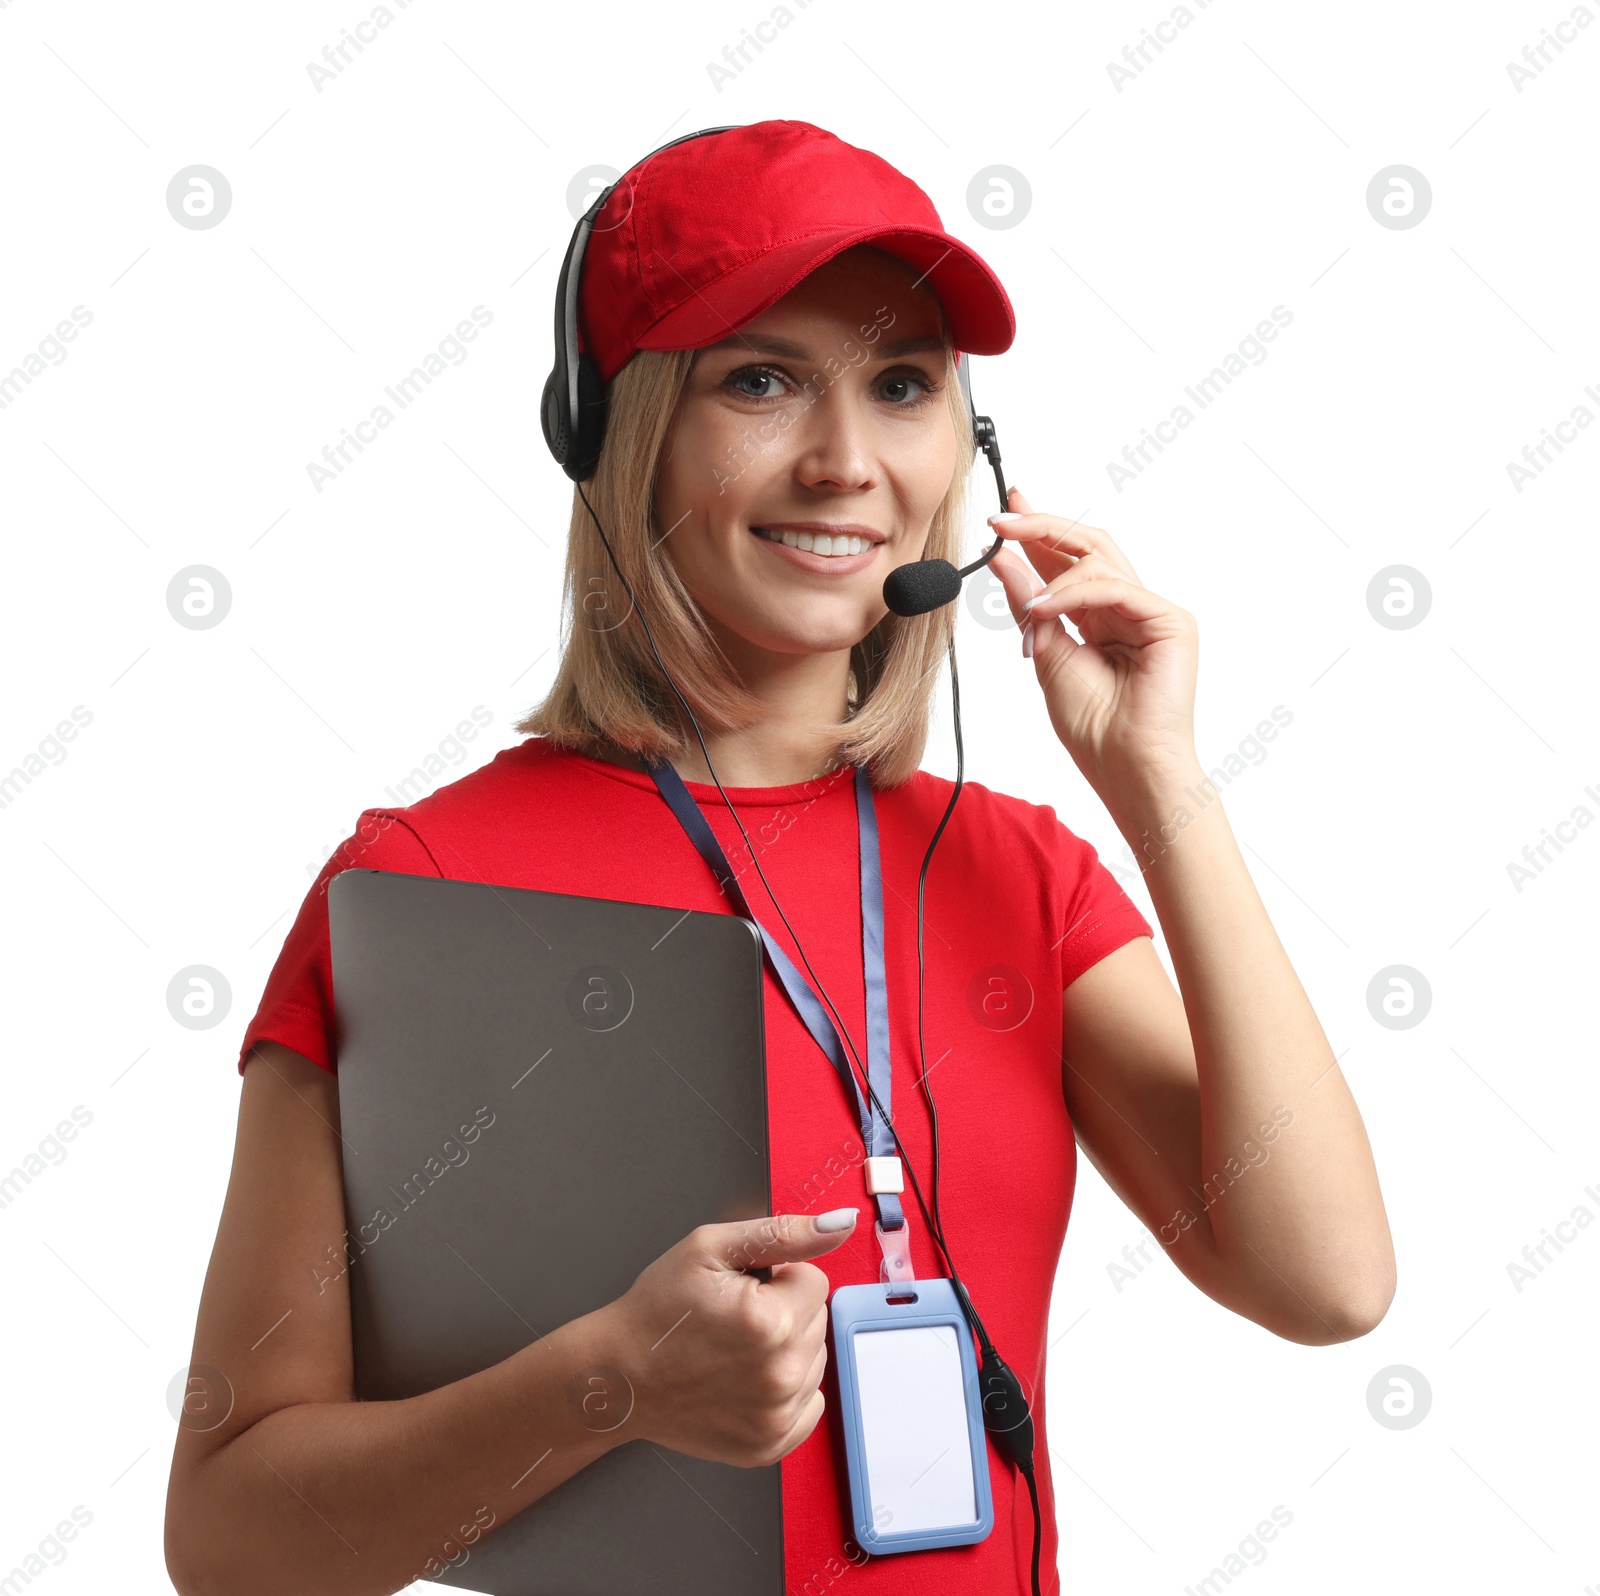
x=923, y=585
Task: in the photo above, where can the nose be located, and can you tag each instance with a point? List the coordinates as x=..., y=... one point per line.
x=834, y=447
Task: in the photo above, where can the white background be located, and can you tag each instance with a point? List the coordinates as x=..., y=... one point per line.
x=1168, y=217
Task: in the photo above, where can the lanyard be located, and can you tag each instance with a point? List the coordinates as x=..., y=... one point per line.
x=875, y=1134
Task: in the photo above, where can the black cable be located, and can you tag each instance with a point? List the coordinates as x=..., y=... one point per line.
x=1038, y=1525
x=1000, y=1385
x=934, y=1229
x=922, y=1050
x=1002, y=1392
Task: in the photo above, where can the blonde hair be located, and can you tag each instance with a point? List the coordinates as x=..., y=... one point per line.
x=608, y=687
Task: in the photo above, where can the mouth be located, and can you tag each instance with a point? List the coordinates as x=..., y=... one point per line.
x=822, y=546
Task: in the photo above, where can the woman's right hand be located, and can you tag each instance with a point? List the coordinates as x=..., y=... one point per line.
x=717, y=1363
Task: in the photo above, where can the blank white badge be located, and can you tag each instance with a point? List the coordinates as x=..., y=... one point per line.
x=914, y=1429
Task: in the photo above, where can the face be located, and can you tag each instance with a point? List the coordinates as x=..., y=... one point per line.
x=807, y=458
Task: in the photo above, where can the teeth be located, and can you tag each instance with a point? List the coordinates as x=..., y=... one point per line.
x=826, y=543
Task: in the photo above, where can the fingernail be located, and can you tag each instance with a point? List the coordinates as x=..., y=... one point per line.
x=1004, y=515
x=1027, y=641
x=835, y=1219
x=1034, y=600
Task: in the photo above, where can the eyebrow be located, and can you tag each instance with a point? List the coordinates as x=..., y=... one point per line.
x=787, y=349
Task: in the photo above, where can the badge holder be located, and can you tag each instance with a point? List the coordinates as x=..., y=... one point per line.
x=911, y=1409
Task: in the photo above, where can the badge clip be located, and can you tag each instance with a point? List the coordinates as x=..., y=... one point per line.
x=896, y=1248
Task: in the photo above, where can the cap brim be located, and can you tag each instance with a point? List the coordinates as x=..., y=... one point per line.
x=979, y=313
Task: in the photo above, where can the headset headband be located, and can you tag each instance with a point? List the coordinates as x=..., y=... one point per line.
x=573, y=407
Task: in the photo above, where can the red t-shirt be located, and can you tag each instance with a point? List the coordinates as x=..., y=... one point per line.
x=1017, y=907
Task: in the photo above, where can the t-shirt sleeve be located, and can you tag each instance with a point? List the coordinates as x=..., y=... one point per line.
x=1097, y=915
x=297, y=1005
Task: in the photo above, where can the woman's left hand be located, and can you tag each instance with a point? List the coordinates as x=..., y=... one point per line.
x=1122, y=700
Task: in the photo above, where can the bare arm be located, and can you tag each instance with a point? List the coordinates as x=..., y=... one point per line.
x=281, y=1481
x=299, y=1487
x=1220, y=1117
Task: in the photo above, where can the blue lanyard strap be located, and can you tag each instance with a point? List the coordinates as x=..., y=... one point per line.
x=875, y=1134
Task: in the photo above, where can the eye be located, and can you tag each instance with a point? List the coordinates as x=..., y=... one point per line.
x=755, y=382
x=905, y=390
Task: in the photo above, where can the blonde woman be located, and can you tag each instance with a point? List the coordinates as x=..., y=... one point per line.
x=771, y=319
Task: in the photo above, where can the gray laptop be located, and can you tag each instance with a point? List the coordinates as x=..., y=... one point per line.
x=607, y=1062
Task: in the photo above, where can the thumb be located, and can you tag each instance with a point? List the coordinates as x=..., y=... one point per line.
x=784, y=1238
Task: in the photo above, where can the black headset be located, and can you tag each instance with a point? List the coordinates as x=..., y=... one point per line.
x=573, y=414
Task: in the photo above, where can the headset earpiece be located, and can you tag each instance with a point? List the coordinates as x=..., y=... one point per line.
x=552, y=417
x=575, y=440
x=572, y=409
x=589, y=427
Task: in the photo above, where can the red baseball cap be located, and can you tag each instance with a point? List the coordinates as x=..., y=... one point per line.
x=702, y=237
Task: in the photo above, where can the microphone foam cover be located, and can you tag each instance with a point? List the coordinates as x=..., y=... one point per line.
x=921, y=586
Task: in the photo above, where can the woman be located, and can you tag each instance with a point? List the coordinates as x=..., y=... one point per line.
x=774, y=316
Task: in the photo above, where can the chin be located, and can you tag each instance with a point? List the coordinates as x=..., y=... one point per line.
x=792, y=634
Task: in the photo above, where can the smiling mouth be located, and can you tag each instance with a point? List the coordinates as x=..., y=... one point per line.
x=841, y=543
